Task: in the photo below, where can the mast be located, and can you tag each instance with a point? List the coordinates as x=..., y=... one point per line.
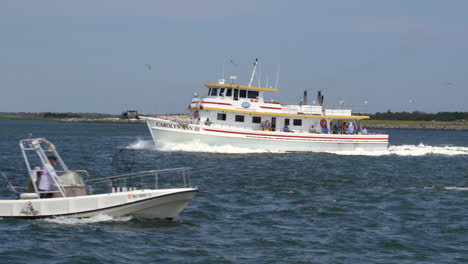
x=277, y=77
x=253, y=72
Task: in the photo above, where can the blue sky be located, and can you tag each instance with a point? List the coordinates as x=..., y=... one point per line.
x=90, y=56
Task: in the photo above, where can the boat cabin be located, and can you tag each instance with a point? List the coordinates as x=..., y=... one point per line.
x=244, y=107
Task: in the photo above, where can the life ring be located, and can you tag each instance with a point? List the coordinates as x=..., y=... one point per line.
x=323, y=123
x=195, y=114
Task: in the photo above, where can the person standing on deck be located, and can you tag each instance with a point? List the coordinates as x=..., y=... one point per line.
x=46, y=183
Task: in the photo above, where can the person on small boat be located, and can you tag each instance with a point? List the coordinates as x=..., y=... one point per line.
x=46, y=182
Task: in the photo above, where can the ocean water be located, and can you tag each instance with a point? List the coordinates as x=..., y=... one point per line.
x=408, y=204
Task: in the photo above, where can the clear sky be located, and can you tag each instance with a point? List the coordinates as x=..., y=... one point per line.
x=90, y=55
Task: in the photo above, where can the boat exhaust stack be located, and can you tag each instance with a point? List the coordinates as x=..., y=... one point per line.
x=320, y=98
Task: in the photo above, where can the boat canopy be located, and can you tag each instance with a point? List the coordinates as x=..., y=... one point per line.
x=218, y=85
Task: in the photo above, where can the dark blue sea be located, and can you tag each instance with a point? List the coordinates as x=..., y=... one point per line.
x=405, y=205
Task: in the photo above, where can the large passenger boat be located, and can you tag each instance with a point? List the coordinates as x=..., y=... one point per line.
x=239, y=116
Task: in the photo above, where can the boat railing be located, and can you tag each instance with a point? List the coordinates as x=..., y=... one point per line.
x=173, y=178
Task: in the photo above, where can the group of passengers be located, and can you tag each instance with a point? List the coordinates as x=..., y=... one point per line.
x=335, y=129
x=346, y=128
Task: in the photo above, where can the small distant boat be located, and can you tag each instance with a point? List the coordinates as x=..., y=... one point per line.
x=240, y=116
x=75, y=195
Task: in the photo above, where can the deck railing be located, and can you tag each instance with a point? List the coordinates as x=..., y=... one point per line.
x=173, y=178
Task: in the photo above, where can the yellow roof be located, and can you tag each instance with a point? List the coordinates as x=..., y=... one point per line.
x=279, y=114
x=216, y=85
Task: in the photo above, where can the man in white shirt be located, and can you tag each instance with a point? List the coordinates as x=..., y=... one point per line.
x=47, y=183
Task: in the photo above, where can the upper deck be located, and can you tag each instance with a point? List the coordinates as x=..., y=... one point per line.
x=249, y=100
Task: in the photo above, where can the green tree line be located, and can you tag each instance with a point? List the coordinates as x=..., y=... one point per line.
x=421, y=116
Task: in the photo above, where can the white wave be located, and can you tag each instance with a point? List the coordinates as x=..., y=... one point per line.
x=197, y=146
x=456, y=188
x=141, y=144
x=398, y=150
x=448, y=188
x=95, y=219
x=410, y=150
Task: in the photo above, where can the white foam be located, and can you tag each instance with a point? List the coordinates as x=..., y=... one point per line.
x=95, y=219
x=141, y=144
x=197, y=146
x=411, y=150
x=456, y=188
x=401, y=150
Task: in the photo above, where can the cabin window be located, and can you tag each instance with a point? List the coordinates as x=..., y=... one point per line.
x=209, y=91
x=236, y=94
x=221, y=116
x=239, y=118
x=221, y=92
x=286, y=122
x=229, y=92
x=243, y=94
x=297, y=122
x=256, y=119
x=214, y=91
x=252, y=94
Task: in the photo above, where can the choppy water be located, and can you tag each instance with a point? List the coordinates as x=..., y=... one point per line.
x=406, y=205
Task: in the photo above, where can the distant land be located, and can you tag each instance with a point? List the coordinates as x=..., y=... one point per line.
x=381, y=120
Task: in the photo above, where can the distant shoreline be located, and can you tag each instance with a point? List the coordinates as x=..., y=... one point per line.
x=371, y=124
x=407, y=124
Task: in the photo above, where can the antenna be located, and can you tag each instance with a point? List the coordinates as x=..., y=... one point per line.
x=253, y=72
x=277, y=76
x=259, y=75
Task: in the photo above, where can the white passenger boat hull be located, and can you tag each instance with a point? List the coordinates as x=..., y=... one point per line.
x=146, y=204
x=164, y=131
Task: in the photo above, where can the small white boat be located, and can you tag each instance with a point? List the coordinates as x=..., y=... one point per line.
x=135, y=194
x=240, y=116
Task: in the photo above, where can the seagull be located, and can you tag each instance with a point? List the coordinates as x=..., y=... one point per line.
x=148, y=66
x=233, y=63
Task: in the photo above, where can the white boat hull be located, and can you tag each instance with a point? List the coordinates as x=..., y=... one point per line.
x=169, y=132
x=147, y=204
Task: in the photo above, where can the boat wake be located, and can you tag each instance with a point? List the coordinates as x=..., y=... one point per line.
x=195, y=146
x=411, y=150
x=401, y=150
x=91, y=220
x=141, y=144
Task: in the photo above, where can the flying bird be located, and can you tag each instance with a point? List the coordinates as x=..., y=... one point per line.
x=233, y=63
x=148, y=67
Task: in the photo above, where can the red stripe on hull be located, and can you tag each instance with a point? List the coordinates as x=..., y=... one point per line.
x=288, y=136
x=213, y=103
x=268, y=107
